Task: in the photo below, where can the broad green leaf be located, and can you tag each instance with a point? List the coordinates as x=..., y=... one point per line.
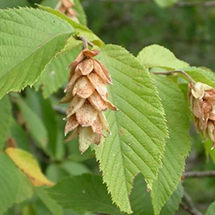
x=25, y=190
x=5, y=120
x=56, y=73
x=138, y=128
x=79, y=28
x=30, y=38
x=84, y=193
x=28, y=165
x=34, y=124
x=51, y=204
x=8, y=183
x=158, y=56
x=141, y=200
x=165, y=3
x=211, y=209
x=203, y=75
x=177, y=145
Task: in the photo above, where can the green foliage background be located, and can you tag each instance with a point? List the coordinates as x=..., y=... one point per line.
x=188, y=31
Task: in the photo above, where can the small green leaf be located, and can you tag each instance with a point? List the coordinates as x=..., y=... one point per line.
x=51, y=204
x=8, y=182
x=177, y=146
x=30, y=38
x=203, y=75
x=165, y=3
x=84, y=193
x=79, y=28
x=138, y=128
x=211, y=209
x=56, y=73
x=5, y=120
x=158, y=56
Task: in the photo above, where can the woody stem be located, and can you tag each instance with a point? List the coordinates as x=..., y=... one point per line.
x=175, y=71
x=85, y=41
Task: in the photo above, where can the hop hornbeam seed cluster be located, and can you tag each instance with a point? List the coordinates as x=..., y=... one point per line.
x=87, y=96
x=202, y=99
x=66, y=7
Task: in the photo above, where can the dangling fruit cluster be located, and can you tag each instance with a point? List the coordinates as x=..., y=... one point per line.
x=202, y=99
x=66, y=7
x=87, y=96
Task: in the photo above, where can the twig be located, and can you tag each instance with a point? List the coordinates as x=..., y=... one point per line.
x=199, y=174
x=60, y=110
x=84, y=40
x=197, y=3
x=178, y=4
x=190, y=206
x=173, y=72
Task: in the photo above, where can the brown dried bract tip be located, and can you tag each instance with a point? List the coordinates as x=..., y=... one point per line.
x=66, y=7
x=87, y=96
x=202, y=99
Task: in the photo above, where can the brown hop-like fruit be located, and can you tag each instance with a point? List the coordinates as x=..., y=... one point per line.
x=202, y=99
x=66, y=7
x=87, y=96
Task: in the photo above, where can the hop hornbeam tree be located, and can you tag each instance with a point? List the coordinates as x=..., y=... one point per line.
x=128, y=116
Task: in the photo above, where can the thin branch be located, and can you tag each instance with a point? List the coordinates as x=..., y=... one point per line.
x=190, y=206
x=199, y=174
x=197, y=3
x=178, y=4
x=84, y=40
x=174, y=72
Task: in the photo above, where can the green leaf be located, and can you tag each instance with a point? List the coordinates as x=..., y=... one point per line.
x=141, y=200
x=138, y=128
x=211, y=209
x=83, y=193
x=158, y=56
x=30, y=38
x=5, y=120
x=203, y=75
x=79, y=28
x=177, y=146
x=34, y=124
x=51, y=204
x=165, y=3
x=8, y=182
x=56, y=73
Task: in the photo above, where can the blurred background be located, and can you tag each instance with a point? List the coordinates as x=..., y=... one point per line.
x=187, y=28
